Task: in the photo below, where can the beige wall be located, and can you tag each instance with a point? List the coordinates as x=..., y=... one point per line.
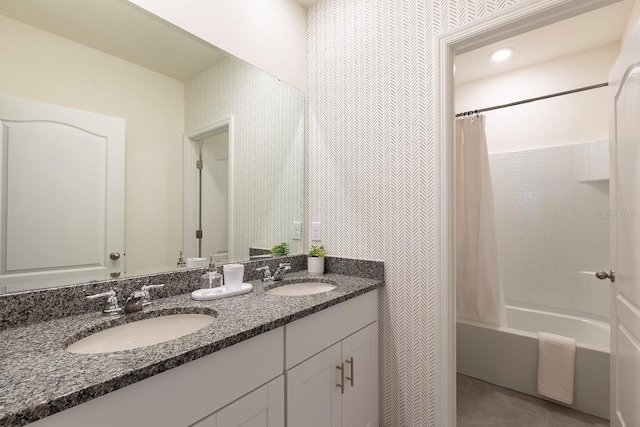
x=631, y=23
x=269, y=34
x=569, y=119
x=40, y=66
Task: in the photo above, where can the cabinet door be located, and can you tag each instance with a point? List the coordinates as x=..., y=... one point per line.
x=263, y=407
x=360, y=399
x=313, y=397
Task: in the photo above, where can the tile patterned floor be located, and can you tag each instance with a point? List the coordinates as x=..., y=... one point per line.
x=481, y=404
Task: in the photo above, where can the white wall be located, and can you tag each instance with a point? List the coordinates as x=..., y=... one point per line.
x=269, y=34
x=38, y=65
x=370, y=167
x=562, y=120
x=634, y=16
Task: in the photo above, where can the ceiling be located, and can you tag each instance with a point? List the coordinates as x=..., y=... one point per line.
x=598, y=28
x=121, y=29
x=307, y=3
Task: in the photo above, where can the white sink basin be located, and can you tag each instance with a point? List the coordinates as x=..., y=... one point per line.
x=298, y=289
x=141, y=333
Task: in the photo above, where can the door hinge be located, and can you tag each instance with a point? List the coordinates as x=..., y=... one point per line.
x=198, y=234
x=198, y=164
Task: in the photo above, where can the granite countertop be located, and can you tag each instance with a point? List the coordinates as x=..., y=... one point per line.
x=39, y=378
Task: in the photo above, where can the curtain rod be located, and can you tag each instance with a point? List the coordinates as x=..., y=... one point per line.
x=553, y=95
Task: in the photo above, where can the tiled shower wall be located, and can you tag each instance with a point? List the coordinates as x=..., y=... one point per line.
x=553, y=231
x=268, y=136
x=370, y=169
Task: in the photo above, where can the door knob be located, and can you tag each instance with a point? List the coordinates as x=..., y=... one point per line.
x=115, y=256
x=601, y=274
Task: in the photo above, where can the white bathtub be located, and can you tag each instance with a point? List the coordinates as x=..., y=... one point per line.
x=508, y=356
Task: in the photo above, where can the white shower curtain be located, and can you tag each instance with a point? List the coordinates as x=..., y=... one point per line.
x=479, y=289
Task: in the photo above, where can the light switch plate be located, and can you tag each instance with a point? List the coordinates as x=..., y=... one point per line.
x=316, y=230
x=296, y=230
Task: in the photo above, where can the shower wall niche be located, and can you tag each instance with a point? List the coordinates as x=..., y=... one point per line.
x=552, y=215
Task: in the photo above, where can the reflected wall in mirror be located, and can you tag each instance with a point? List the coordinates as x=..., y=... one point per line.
x=112, y=58
x=264, y=125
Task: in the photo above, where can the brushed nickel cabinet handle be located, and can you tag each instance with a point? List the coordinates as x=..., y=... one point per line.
x=341, y=384
x=350, y=362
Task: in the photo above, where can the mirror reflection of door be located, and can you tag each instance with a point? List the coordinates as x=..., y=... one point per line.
x=62, y=186
x=214, y=196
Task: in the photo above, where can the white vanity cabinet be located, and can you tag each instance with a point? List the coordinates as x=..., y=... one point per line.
x=187, y=394
x=360, y=398
x=244, y=384
x=263, y=407
x=338, y=386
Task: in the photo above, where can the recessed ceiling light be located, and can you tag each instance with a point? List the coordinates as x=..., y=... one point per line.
x=501, y=54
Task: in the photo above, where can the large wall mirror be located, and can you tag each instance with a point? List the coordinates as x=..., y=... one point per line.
x=125, y=140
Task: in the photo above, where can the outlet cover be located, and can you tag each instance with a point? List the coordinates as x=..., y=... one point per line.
x=296, y=230
x=316, y=230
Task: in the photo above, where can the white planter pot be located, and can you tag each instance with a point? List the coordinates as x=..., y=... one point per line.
x=315, y=265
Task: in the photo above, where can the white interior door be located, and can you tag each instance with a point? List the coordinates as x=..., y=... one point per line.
x=62, y=204
x=624, y=80
x=214, y=198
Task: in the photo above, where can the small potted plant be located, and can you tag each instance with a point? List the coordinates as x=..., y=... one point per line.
x=280, y=250
x=315, y=260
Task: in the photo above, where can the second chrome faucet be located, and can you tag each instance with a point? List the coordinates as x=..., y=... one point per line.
x=277, y=275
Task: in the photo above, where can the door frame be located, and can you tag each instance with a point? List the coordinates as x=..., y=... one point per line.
x=511, y=21
x=617, y=76
x=191, y=183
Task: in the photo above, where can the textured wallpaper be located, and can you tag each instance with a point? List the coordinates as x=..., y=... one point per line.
x=370, y=169
x=269, y=132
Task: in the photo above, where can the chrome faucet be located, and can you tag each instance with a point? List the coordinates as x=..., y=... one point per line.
x=266, y=275
x=277, y=275
x=134, y=302
x=146, y=300
x=111, y=305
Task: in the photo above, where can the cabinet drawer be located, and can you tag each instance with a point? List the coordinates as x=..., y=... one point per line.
x=183, y=395
x=314, y=333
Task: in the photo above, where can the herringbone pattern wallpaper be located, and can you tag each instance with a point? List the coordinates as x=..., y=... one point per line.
x=268, y=121
x=369, y=169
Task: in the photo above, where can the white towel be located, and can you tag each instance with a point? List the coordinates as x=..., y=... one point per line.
x=556, y=361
